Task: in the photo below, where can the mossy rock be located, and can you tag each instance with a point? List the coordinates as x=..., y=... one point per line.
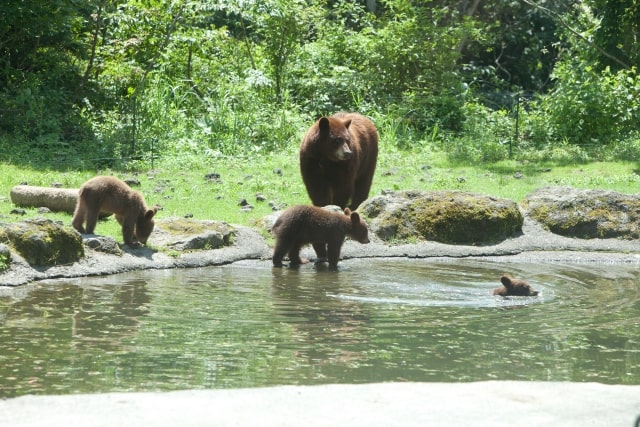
x=43, y=241
x=585, y=214
x=190, y=234
x=453, y=217
x=5, y=257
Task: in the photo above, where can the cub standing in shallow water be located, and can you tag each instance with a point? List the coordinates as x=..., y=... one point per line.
x=300, y=225
x=108, y=194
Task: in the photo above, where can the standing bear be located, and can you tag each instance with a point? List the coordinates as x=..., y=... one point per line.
x=107, y=194
x=338, y=158
x=325, y=229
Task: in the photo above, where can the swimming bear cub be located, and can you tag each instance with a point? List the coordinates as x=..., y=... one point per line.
x=514, y=287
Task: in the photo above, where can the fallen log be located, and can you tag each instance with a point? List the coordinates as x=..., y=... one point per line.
x=56, y=199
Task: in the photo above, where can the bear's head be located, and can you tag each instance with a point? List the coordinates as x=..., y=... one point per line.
x=145, y=224
x=359, y=230
x=335, y=138
x=515, y=287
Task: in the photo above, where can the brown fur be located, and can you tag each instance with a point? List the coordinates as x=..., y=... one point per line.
x=514, y=287
x=108, y=194
x=338, y=158
x=326, y=230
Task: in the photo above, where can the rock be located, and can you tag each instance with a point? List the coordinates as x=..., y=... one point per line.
x=103, y=244
x=585, y=214
x=43, y=242
x=189, y=234
x=454, y=217
x=5, y=256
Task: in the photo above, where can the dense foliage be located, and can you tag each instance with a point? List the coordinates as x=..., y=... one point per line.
x=99, y=82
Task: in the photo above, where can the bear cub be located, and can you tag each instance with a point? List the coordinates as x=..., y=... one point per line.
x=338, y=158
x=108, y=194
x=324, y=229
x=514, y=287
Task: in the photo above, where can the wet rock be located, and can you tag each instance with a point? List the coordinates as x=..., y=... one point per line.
x=188, y=234
x=454, y=217
x=43, y=242
x=103, y=244
x=585, y=214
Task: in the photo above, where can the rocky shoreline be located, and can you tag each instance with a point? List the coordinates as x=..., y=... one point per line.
x=534, y=245
x=184, y=243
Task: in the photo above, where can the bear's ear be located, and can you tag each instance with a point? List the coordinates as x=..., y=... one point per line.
x=355, y=218
x=506, y=281
x=150, y=213
x=347, y=211
x=323, y=125
x=347, y=123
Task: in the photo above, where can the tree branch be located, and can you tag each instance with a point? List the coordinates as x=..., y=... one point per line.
x=556, y=16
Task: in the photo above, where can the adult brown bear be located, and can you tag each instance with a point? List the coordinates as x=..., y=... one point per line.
x=325, y=229
x=110, y=195
x=338, y=158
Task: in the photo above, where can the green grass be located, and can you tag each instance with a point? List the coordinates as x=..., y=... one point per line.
x=180, y=187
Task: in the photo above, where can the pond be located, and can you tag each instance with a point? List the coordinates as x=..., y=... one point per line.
x=374, y=320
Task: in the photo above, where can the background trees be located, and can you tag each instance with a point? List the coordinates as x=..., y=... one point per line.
x=100, y=81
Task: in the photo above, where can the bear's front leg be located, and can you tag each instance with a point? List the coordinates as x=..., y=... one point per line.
x=321, y=252
x=334, y=254
x=128, y=235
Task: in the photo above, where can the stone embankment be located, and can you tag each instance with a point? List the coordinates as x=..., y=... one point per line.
x=551, y=224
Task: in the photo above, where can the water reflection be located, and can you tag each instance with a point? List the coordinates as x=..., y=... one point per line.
x=373, y=320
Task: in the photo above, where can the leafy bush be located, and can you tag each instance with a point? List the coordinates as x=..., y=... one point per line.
x=591, y=107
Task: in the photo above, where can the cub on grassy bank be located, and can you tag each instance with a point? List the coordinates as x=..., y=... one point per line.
x=108, y=194
x=324, y=229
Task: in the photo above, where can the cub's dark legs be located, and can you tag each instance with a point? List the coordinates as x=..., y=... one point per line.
x=334, y=254
x=321, y=251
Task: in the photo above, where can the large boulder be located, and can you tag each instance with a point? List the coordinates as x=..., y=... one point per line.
x=453, y=217
x=585, y=214
x=43, y=241
x=190, y=234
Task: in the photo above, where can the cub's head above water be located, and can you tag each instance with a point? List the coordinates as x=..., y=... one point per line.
x=514, y=287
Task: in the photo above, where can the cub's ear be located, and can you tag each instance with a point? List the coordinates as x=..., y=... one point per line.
x=347, y=123
x=355, y=218
x=151, y=212
x=506, y=281
x=323, y=125
x=347, y=211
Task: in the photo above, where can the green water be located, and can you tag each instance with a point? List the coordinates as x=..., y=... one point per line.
x=249, y=325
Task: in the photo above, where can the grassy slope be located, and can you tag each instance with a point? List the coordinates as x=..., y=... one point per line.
x=180, y=187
